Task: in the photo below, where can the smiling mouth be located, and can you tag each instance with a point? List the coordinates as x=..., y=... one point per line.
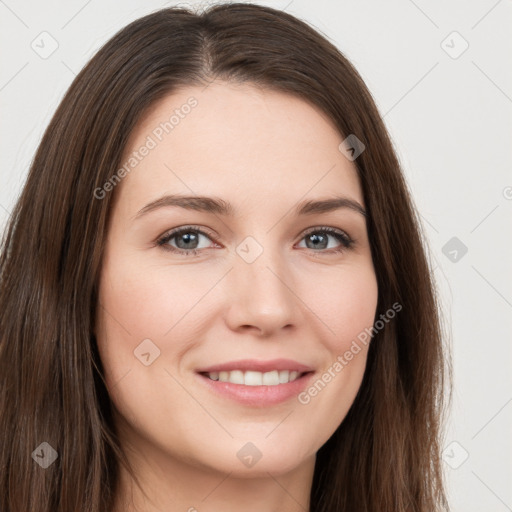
x=254, y=378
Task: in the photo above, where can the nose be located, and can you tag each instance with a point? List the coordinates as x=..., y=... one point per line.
x=261, y=296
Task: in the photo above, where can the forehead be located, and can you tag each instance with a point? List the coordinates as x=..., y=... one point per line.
x=236, y=140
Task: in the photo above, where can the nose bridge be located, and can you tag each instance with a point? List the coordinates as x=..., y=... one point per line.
x=261, y=287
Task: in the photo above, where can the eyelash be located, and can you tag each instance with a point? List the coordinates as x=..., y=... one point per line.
x=346, y=241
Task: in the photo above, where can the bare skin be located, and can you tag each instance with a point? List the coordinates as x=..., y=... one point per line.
x=302, y=298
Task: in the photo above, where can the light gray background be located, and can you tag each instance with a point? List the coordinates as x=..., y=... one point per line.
x=450, y=118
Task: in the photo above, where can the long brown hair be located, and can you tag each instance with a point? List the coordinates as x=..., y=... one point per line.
x=385, y=456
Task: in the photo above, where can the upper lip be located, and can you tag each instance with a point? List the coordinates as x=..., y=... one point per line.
x=257, y=366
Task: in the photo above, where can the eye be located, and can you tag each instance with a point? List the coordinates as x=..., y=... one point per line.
x=318, y=238
x=186, y=240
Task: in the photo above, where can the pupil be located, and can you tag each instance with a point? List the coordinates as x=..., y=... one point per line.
x=188, y=237
x=317, y=239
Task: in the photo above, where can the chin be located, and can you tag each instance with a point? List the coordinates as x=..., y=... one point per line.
x=252, y=460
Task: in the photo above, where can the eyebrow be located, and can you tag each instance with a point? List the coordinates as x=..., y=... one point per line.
x=219, y=206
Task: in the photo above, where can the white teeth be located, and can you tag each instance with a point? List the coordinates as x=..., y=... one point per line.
x=271, y=378
x=236, y=377
x=251, y=378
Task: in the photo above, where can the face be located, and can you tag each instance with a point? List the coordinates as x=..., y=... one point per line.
x=251, y=279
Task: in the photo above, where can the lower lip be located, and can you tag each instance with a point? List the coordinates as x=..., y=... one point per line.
x=258, y=395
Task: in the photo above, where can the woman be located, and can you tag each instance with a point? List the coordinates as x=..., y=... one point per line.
x=214, y=290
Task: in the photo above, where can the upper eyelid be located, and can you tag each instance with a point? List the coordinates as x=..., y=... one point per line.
x=176, y=231
x=325, y=228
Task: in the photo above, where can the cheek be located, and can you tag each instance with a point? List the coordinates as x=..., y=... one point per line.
x=136, y=304
x=349, y=306
x=148, y=301
x=143, y=318
x=347, y=311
